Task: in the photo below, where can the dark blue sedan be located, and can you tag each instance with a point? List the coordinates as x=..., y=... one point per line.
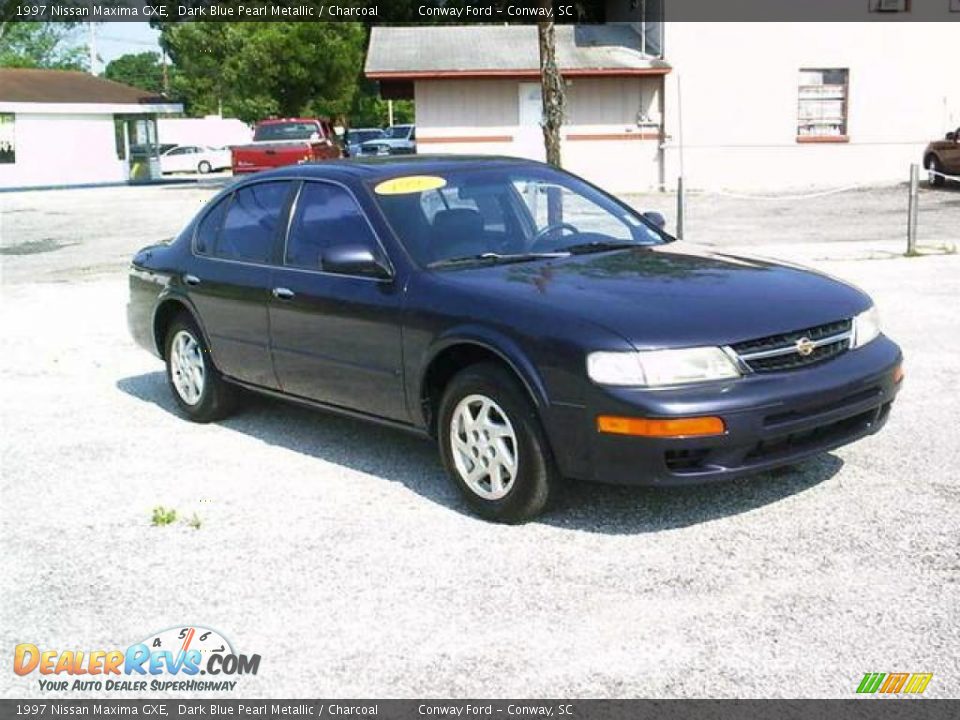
x=537, y=327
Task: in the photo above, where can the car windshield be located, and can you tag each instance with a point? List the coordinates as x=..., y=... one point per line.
x=397, y=132
x=285, y=131
x=359, y=136
x=506, y=214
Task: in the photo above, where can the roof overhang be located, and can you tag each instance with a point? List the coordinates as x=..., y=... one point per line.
x=533, y=74
x=44, y=108
x=398, y=56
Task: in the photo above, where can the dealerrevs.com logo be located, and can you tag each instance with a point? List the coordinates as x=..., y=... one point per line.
x=894, y=683
x=170, y=660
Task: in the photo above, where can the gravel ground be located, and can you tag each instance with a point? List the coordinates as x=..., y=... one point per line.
x=874, y=217
x=339, y=552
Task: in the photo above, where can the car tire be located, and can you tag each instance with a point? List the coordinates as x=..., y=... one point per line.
x=204, y=167
x=485, y=420
x=933, y=163
x=197, y=386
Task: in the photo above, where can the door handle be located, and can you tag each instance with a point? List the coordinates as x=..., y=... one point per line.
x=191, y=279
x=282, y=293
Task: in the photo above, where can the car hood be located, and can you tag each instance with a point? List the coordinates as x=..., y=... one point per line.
x=674, y=295
x=390, y=142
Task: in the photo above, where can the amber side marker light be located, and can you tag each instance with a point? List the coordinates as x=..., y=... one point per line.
x=898, y=375
x=672, y=428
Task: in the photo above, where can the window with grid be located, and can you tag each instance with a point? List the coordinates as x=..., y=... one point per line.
x=822, y=107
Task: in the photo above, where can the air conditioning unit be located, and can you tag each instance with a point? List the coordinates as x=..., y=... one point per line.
x=891, y=5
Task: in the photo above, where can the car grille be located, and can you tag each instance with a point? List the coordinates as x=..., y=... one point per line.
x=789, y=351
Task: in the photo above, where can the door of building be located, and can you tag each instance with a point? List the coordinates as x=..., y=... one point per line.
x=529, y=142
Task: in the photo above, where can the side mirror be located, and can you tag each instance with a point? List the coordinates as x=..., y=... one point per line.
x=951, y=136
x=656, y=219
x=355, y=259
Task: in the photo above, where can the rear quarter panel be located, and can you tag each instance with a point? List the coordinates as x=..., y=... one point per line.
x=150, y=281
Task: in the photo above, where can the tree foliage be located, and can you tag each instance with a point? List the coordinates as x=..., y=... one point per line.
x=368, y=110
x=40, y=45
x=141, y=70
x=254, y=70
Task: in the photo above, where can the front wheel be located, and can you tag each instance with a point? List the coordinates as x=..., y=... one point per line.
x=493, y=445
x=204, y=167
x=199, y=391
x=933, y=166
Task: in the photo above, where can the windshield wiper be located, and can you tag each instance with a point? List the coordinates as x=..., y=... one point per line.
x=496, y=258
x=599, y=246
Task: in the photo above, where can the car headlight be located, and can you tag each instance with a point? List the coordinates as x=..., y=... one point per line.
x=866, y=327
x=654, y=368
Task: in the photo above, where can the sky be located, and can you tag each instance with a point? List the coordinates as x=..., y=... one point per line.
x=119, y=38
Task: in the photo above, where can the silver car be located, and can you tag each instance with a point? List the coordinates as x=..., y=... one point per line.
x=396, y=140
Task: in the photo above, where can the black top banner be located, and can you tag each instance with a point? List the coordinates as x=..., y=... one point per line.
x=479, y=11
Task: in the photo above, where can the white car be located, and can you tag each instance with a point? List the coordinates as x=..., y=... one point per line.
x=194, y=158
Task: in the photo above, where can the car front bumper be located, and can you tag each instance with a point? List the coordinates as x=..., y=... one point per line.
x=771, y=419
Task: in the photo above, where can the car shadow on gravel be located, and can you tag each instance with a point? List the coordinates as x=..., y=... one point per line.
x=401, y=457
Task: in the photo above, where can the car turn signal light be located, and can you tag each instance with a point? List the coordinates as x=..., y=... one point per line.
x=663, y=428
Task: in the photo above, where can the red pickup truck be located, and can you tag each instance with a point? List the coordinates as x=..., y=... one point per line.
x=285, y=142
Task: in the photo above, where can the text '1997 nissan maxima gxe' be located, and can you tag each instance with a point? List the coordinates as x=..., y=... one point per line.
x=537, y=327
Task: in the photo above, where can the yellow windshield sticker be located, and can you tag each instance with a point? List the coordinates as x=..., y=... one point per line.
x=409, y=184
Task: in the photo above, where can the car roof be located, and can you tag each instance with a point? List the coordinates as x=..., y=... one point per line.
x=280, y=121
x=372, y=168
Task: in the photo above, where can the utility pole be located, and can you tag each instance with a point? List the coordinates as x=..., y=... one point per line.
x=92, y=48
x=551, y=87
x=166, y=75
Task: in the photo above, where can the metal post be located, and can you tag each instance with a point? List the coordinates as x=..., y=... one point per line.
x=389, y=112
x=912, y=210
x=679, y=232
x=680, y=178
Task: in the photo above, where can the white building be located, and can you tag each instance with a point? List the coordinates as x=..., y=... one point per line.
x=62, y=127
x=737, y=105
x=807, y=104
x=477, y=90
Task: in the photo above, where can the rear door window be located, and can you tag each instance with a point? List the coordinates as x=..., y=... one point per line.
x=252, y=218
x=209, y=228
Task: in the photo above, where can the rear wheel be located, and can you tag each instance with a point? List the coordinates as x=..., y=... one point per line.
x=204, y=167
x=198, y=389
x=493, y=445
x=933, y=164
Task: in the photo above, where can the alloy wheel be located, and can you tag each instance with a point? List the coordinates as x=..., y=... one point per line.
x=484, y=447
x=187, y=369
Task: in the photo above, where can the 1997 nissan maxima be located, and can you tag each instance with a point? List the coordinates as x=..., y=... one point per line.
x=537, y=327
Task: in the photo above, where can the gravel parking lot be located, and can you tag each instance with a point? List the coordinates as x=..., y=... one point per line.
x=339, y=552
